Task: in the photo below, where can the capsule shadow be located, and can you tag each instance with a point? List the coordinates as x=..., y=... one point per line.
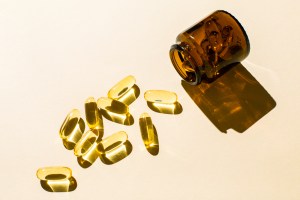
x=125, y=119
x=174, y=108
x=58, y=185
x=234, y=100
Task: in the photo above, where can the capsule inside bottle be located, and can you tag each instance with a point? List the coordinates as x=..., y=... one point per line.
x=72, y=129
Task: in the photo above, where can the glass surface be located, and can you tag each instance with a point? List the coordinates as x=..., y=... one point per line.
x=204, y=49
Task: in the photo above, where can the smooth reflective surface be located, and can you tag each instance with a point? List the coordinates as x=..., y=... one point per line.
x=72, y=129
x=112, y=105
x=121, y=87
x=149, y=134
x=234, y=100
x=130, y=96
x=92, y=114
x=204, y=49
x=66, y=185
x=114, y=148
x=173, y=108
x=160, y=96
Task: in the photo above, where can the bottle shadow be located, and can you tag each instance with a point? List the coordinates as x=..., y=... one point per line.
x=234, y=100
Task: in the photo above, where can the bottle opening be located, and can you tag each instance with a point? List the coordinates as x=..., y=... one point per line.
x=184, y=65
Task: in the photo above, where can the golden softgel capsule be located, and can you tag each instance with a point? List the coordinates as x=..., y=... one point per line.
x=92, y=114
x=149, y=134
x=130, y=96
x=115, y=111
x=114, y=148
x=86, y=149
x=163, y=101
x=125, y=90
x=160, y=96
x=56, y=179
x=72, y=129
x=121, y=87
x=171, y=108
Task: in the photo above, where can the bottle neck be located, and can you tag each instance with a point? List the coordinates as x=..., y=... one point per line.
x=184, y=63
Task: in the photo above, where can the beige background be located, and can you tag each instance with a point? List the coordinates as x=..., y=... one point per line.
x=55, y=54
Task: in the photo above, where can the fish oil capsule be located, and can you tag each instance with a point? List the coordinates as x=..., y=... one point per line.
x=130, y=96
x=92, y=114
x=149, y=134
x=114, y=148
x=121, y=87
x=72, y=129
x=160, y=96
x=112, y=105
x=56, y=179
x=86, y=149
x=107, y=108
x=172, y=108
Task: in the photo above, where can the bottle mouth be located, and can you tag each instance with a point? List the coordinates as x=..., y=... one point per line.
x=184, y=65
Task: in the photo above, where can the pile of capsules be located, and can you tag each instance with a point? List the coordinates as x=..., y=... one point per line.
x=89, y=145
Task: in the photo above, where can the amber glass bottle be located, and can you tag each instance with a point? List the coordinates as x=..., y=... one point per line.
x=203, y=50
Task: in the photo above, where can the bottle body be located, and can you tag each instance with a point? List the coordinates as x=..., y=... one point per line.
x=203, y=50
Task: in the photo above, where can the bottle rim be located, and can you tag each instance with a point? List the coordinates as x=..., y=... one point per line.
x=192, y=77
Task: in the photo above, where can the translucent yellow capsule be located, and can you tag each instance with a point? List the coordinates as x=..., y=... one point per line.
x=92, y=114
x=149, y=134
x=160, y=96
x=86, y=149
x=121, y=87
x=114, y=148
x=72, y=129
x=56, y=179
x=123, y=117
x=112, y=105
x=130, y=96
x=172, y=108
x=46, y=173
